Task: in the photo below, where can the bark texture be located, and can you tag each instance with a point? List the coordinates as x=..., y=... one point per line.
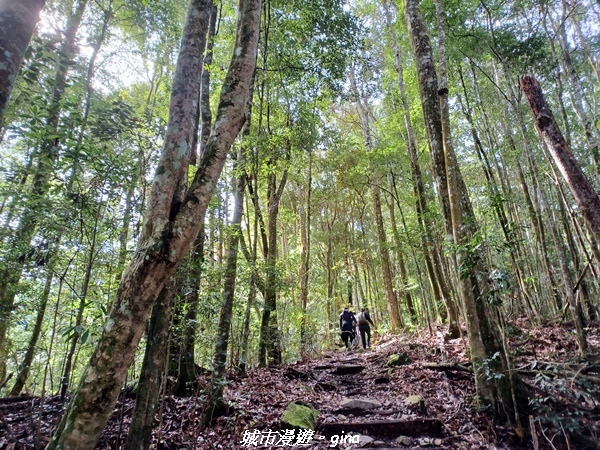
x=153, y=372
x=215, y=402
x=584, y=193
x=18, y=19
x=165, y=240
x=498, y=387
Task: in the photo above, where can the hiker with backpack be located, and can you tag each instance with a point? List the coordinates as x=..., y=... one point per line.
x=347, y=324
x=364, y=319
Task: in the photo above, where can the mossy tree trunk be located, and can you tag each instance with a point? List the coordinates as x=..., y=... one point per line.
x=439, y=287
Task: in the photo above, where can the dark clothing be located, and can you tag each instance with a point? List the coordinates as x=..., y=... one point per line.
x=347, y=321
x=348, y=337
x=365, y=329
x=367, y=317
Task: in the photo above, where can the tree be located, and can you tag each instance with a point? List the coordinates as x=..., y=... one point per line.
x=169, y=229
x=488, y=354
x=46, y=156
x=18, y=19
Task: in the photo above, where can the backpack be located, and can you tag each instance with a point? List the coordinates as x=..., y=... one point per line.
x=362, y=319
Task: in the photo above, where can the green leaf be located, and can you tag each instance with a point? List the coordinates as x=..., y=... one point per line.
x=84, y=336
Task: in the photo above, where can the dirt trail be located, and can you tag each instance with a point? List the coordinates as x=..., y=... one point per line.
x=436, y=380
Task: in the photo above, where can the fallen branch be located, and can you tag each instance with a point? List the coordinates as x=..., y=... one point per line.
x=446, y=367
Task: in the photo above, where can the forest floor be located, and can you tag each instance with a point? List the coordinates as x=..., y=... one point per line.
x=565, y=401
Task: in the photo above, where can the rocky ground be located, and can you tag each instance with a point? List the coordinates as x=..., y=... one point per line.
x=425, y=400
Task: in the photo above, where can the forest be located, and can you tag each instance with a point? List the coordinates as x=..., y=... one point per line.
x=191, y=191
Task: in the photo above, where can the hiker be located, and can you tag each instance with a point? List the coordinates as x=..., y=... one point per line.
x=364, y=319
x=347, y=323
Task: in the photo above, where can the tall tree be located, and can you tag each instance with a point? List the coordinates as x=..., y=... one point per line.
x=18, y=19
x=12, y=267
x=169, y=230
x=488, y=354
x=384, y=254
x=582, y=190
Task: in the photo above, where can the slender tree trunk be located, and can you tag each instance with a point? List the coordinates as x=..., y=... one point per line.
x=24, y=367
x=497, y=199
x=251, y=291
x=168, y=234
x=433, y=262
x=18, y=19
x=30, y=352
x=487, y=352
x=10, y=273
x=215, y=405
x=77, y=332
x=400, y=256
x=576, y=92
x=384, y=254
x=185, y=315
x=304, y=212
x=154, y=371
x=270, y=342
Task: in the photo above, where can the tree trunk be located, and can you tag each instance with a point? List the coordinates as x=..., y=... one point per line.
x=487, y=352
x=183, y=358
x=77, y=331
x=18, y=19
x=167, y=237
x=304, y=213
x=10, y=274
x=24, y=367
x=440, y=288
x=270, y=342
x=384, y=254
x=582, y=190
x=400, y=257
x=215, y=404
x=154, y=371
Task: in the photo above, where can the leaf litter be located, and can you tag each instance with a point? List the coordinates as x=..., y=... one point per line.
x=564, y=404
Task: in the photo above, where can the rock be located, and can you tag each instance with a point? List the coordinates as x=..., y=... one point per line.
x=398, y=360
x=429, y=442
x=297, y=415
x=360, y=403
x=294, y=374
x=404, y=440
x=348, y=369
x=365, y=441
x=323, y=386
x=416, y=400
